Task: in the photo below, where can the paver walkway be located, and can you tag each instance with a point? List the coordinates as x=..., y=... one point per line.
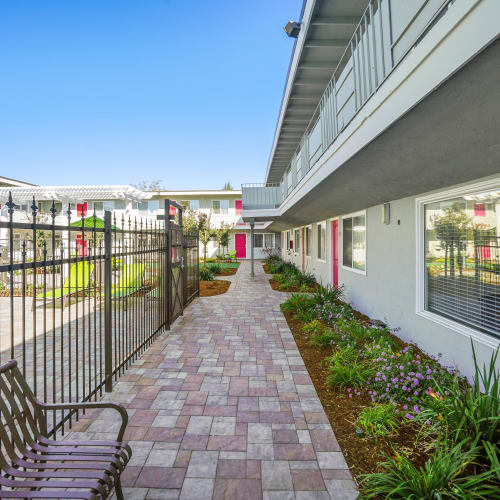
x=222, y=407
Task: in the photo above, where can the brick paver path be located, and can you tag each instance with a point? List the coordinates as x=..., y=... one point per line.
x=222, y=407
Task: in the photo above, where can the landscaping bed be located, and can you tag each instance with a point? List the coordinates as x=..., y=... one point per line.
x=276, y=285
x=362, y=454
x=216, y=287
x=409, y=427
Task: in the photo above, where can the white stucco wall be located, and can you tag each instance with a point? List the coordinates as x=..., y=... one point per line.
x=388, y=291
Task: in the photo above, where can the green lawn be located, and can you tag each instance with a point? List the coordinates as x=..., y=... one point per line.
x=224, y=265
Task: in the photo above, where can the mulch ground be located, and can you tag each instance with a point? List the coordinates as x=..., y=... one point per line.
x=228, y=271
x=363, y=455
x=216, y=287
x=275, y=285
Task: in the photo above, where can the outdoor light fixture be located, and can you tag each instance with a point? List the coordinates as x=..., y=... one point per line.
x=292, y=29
x=386, y=213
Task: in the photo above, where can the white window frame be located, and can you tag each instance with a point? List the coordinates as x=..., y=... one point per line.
x=308, y=247
x=420, y=310
x=254, y=239
x=191, y=203
x=318, y=226
x=213, y=208
x=341, y=245
x=273, y=236
x=296, y=239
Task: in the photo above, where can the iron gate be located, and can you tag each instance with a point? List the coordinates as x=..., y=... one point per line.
x=80, y=300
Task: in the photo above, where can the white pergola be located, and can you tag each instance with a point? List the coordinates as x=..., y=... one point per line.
x=72, y=194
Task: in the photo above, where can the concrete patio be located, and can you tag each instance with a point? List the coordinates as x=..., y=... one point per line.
x=222, y=407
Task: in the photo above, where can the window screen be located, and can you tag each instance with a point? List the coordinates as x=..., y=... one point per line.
x=269, y=240
x=354, y=242
x=462, y=260
x=258, y=240
x=297, y=240
x=308, y=241
x=321, y=235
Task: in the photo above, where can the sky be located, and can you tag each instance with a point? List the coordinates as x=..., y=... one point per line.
x=124, y=91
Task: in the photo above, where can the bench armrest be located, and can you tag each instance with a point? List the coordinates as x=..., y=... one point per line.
x=88, y=406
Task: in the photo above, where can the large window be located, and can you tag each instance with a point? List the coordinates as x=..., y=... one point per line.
x=308, y=241
x=220, y=206
x=321, y=236
x=462, y=259
x=269, y=240
x=263, y=240
x=297, y=239
x=354, y=242
x=194, y=204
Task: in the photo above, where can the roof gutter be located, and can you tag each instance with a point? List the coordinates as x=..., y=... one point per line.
x=271, y=153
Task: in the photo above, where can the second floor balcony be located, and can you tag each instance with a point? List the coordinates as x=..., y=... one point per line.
x=387, y=48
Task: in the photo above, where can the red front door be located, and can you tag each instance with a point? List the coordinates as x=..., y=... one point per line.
x=335, y=251
x=240, y=242
x=303, y=251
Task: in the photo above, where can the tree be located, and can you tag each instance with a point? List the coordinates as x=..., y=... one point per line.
x=190, y=220
x=452, y=228
x=222, y=235
x=227, y=186
x=206, y=232
x=155, y=185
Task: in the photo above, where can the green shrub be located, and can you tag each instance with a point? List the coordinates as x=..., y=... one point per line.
x=470, y=414
x=313, y=326
x=351, y=375
x=214, y=268
x=206, y=274
x=443, y=476
x=297, y=302
x=323, y=339
x=378, y=420
x=307, y=279
x=343, y=356
x=328, y=294
x=307, y=315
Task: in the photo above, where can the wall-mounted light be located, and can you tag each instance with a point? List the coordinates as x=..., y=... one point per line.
x=386, y=213
x=292, y=29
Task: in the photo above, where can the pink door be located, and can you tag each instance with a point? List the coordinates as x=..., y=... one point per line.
x=335, y=251
x=238, y=205
x=303, y=250
x=240, y=242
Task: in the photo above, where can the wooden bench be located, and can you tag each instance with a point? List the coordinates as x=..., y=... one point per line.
x=34, y=466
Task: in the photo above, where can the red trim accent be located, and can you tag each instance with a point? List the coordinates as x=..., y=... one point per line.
x=479, y=209
x=303, y=250
x=238, y=205
x=173, y=210
x=335, y=251
x=81, y=246
x=240, y=243
x=81, y=209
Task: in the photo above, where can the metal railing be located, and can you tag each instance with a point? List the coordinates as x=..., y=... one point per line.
x=257, y=196
x=376, y=47
x=80, y=302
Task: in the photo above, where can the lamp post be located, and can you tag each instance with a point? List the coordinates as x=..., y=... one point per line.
x=252, y=227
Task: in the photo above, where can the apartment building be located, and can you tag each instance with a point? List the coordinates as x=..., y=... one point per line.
x=384, y=173
x=128, y=203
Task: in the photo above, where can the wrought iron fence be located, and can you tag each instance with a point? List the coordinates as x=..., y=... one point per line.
x=79, y=302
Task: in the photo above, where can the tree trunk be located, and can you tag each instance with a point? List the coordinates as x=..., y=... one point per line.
x=446, y=261
x=452, y=260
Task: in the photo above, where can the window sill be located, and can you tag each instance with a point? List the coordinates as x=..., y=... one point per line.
x=466, y=331
x=354, y=270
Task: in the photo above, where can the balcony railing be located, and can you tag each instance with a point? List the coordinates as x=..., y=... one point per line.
x=261, y=196
x=386, y=32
